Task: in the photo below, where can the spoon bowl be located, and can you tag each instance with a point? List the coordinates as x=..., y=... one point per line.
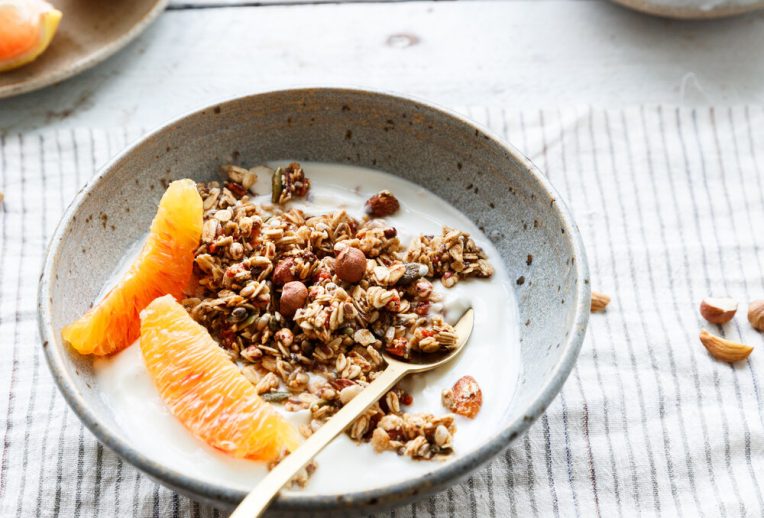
x=423, y=362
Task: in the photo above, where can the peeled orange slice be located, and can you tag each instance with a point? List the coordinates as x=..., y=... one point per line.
x=205, y=390
x=164, y=266
x=26, y=29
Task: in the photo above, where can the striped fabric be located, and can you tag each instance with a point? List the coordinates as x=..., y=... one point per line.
x=669, y=202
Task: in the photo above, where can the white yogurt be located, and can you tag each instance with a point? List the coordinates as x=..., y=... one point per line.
x=491, y=357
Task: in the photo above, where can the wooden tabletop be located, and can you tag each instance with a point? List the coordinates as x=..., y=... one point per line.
x=514, y=54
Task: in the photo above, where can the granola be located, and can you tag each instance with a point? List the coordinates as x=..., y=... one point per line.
x=289, y=182
x=307, y=303
x=451, y=256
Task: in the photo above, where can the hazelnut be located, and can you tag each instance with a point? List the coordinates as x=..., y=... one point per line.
x=283, y=273
x=350, y=265
x=756, y=314
x=293, y=297
x=382, y=204
x=718, y=310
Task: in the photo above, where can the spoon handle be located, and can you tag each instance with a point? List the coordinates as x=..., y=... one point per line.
x=258, y=499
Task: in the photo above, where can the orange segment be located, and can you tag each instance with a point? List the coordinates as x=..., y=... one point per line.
x=163, y=266
x=26, y=29
x=205, y=390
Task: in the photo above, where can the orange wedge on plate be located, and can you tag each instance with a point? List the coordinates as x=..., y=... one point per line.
x=164, y=266
x=205, y=390
x=26, y=29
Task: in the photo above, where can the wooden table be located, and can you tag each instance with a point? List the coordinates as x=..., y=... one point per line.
x=516, y=54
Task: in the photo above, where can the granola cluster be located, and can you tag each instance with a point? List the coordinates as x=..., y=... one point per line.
x=451, y=256
x=289, y=182
x=308, y=302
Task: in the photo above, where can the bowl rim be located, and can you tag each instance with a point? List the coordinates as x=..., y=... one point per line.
x=393, y=494
x=686, y=12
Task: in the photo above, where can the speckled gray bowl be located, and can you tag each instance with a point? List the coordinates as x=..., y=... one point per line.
x=488, y=180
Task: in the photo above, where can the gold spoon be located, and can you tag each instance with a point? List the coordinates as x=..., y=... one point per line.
x=258, y=499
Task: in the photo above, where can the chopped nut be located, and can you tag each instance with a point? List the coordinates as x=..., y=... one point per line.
x=302, y=476
x=349, y=393
x=464, y=398
x=442, y=436
x=364, y=337
x=210, y=230
x=223, y=215
x=284, y=272
x=298, y=382
x=284, y=336
x=449, y=279
x=236, y=250
x=293, y=297
x=350, y=265
x=418, y=447
x=245, y=177
x=599, y=301
x=305, y=430
x=391, y=422
x=267, y=383
x=718, y=310
x=723, y=349
x=756, y=314
x=380, y=440
x=236, y=189
x=382, y=204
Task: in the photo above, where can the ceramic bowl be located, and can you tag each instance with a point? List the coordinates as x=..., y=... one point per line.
x=488, y=180
x=693, y=9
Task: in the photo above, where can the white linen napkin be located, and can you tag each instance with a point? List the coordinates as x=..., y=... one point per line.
x=669, y=202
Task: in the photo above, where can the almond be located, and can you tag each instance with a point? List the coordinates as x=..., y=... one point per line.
x=599, y=301
x=723, y=349
x=718, y=310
